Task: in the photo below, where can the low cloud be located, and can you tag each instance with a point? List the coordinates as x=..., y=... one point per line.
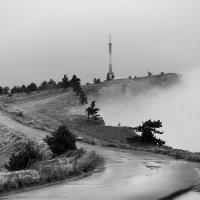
x=178, y=107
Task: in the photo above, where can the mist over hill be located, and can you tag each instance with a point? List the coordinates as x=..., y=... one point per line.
x=175, y=103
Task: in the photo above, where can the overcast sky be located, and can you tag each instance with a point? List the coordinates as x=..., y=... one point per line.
x=42, y=39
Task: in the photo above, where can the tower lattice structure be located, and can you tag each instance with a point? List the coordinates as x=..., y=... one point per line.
x=110, y=72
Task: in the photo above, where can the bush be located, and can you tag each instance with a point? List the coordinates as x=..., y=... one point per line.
x=83, y=99
x=162, y=73
x=148, y=130
x=61, y=140
x=20, y=114
x=23, y=159
x=87, y=163
x=77, y=154
x=97, y=81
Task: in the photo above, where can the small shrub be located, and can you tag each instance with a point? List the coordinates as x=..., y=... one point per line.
x=23, y=159
x=89, y=163
x=162, y=73
x=111, y=145
x=61, y=140
x=97, y=81
x=20, y=114
x=77, y=154
x=149, y=73
x=83, y=99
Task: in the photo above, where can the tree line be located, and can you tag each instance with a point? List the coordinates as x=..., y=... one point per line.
x=65, y=83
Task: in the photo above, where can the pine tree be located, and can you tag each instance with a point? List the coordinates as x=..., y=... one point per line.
x=92, y=112
x=51, y=85
x=15, y=89
x=51, y=82
x=65, y=82
x=83, y=99
x=23, y=88
x=6, y=90
x=75, y=83
x=24, y=158
x=31, y=88
x=148, y=130
x=1, y=90
x=43, y=85
x=61, y=141
x=97, y=81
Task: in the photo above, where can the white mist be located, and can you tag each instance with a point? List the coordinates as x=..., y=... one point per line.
x=177, y=107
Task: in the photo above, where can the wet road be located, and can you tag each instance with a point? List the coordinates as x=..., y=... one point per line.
x=189, y=196
x=195, y=194
x=127, y=175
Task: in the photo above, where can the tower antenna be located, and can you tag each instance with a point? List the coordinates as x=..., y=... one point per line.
x=110, y=72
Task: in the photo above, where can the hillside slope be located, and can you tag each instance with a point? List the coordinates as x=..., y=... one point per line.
x=47, y=110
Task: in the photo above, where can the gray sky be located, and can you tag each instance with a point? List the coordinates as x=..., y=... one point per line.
x=42, y=39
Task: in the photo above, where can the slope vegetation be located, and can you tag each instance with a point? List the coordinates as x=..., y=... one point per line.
x=47, y=110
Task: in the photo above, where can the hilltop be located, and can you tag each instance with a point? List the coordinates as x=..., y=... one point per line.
x=46, y=110
x=32, y=116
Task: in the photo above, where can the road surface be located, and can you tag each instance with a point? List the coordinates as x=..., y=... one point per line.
x=127, y=175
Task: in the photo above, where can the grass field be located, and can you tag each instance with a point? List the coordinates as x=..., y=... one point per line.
x=48, y=109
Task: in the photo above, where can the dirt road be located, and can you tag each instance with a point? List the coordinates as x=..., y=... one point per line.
x=28, y=132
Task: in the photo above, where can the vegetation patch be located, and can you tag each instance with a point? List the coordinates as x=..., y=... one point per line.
x=74, y=163
x=92, y=112
x=169, y=151
x=148, y=130
x=28, y=169
x=24, y=158
x=61, y=140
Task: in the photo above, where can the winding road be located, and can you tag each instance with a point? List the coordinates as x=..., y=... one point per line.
x=126, y=175
x=28, y=132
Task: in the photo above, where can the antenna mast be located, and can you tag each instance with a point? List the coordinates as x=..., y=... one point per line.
x=111, y=74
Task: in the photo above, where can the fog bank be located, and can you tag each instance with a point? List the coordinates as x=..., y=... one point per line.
x=177, y=107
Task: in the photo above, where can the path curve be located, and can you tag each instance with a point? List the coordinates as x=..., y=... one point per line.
x=28, y=132
x=127, y=175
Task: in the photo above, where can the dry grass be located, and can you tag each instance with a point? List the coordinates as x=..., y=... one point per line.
x=18, y=180
x=169, y=151
x=10, y=142
x=87, y=163
x=68, y=165
x=46, y=111
x=78, y=163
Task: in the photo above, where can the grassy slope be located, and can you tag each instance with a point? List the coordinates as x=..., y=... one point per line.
x=47, y=110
